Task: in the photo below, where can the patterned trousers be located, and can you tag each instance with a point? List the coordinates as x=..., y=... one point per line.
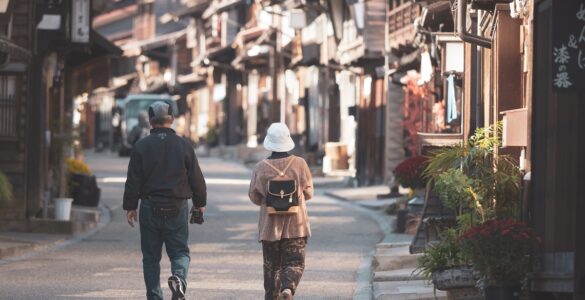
x=284, y=263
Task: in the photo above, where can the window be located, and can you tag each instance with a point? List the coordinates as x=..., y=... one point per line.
x=8, y=106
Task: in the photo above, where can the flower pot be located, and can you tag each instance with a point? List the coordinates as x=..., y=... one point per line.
x=63, y=209
x=454, y=278
x=502, y=292
x=470, y=293
x=401, y=220
x=84, y=189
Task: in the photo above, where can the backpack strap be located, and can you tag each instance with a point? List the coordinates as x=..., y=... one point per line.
x=280, y=173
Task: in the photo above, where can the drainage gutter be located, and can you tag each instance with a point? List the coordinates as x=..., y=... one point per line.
x=461, y=30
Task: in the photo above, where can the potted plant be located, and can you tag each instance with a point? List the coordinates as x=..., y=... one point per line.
x=82, y=184
x=443, y=264
x=470, y=175
x=471, y=180
x=500, y=251
x=409, y=172
x=6, y=195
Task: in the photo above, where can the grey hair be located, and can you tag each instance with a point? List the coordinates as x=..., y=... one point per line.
x=160, y=113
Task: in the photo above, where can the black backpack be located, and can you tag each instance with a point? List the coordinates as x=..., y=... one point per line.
x=282, y=195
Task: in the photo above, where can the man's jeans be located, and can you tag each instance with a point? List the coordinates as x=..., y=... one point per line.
x=174, y=233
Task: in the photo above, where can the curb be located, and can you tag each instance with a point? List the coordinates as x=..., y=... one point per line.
x=37, y=249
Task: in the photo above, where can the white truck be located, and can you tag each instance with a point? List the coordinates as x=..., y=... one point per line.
x=131, y=107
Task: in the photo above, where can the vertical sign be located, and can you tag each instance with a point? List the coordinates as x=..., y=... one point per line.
x=568, y=45
x=80, y=21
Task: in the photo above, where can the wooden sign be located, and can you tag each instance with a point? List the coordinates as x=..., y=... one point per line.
x=80, y=21
x=568, y=70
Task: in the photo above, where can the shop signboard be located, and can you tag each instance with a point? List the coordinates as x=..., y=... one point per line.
x=80, y=21
x=568, y=45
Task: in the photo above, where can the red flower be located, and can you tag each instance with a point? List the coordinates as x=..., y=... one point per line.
x=409, y=172
x=499, y=249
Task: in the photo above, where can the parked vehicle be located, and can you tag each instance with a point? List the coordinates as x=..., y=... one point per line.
x=131, y=108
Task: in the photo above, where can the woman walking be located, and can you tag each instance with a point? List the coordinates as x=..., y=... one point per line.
x=281, y=185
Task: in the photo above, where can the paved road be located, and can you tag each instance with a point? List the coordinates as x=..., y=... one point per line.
x=226, y=257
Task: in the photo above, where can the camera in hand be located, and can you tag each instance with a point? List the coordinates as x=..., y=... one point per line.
x=196, y=217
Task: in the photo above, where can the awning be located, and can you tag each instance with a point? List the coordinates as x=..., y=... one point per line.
x=191, y=78
x=91, y=65
x=135, y=48
x=193, y=8
x=251, y=46
x=222, y=54
x=438, y=13
x=219, y=6
x=98, y=46
x=9, y=47
x=406, y=61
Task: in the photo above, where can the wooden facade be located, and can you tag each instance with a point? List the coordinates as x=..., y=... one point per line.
x=37, y=84
x=557, y=163
x=21, y=146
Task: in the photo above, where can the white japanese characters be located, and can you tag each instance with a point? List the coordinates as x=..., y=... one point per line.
x=571, y=52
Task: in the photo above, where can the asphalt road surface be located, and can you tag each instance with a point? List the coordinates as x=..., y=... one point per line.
x=226, y=259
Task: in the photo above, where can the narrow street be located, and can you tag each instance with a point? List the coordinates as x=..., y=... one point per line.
x=226, y=259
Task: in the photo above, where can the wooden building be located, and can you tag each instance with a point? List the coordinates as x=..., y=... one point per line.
x=523, y=64
x=222, y=21
x=358, y=28
x=37, y=85
x=21, y=124
x=556, y=145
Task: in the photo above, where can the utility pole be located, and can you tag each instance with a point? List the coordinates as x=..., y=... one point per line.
x=279, y=76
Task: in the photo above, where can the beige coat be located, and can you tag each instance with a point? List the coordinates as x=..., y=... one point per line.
x=276, y=227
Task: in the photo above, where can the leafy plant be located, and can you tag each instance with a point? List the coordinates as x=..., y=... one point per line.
x=6, y=195
x=499, y=250
x=494, y=181
x=481, y=187
x=441, y=255
x=454, y=188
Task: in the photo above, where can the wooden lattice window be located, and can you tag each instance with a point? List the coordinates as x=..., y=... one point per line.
x=9, y=113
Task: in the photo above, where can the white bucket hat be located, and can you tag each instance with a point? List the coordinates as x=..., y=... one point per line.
x=278, y=138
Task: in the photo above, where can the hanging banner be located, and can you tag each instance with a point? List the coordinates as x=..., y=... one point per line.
x=80, y=21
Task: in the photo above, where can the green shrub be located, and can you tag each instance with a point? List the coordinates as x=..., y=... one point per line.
x=441, y=255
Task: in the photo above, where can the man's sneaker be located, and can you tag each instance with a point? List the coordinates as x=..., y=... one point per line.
x=285, y=295
x=177, y=287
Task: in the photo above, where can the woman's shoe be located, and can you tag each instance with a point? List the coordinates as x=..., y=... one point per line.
x=285, y=295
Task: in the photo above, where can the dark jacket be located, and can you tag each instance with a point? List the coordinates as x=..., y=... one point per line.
x=164, y=165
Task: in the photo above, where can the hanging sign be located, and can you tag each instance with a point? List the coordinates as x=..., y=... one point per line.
x=568, y=72
x=80, y=21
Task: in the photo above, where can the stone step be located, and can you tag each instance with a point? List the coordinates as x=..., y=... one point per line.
x=402, y=246
x=394, y=258
x=377, y=204
x=407, y=290
x=405, y=274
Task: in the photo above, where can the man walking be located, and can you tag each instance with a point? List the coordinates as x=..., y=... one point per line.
x=163, y=173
